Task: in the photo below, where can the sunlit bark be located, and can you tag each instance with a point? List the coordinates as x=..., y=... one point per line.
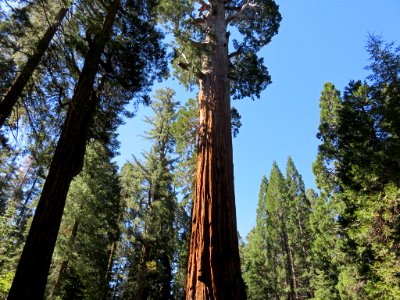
x=214, y=264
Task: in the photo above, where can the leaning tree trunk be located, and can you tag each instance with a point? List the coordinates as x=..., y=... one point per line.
x=15, y=91
x=31, y=276
x=214, y=264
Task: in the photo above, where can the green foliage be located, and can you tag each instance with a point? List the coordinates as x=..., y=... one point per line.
x=325, y=253
x=5, y=283
x=88, y=230
x=256, y=22
x=249, y=75
x=357, y=170
x=298, y=229
x=276, y=259
x=18, y=192
x=257, y=25
x=149, y=239
x=254, y=254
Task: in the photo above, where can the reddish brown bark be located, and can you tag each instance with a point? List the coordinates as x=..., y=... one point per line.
x=31, y=276
x=214, y=264
x=15, y=91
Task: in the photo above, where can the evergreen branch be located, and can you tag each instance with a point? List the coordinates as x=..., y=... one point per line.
x=10, y=7
x=31, y=123
x=198, y=22
x=45, y=12
x=204, y=5
x=197, y=45
x=232, y=8
x=240, y=13
x=204, y=9
x=237, y=52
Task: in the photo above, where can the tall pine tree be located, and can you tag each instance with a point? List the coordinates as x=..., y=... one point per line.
x=148, y=188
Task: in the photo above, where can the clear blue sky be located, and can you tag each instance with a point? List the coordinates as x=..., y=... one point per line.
x=318, y=41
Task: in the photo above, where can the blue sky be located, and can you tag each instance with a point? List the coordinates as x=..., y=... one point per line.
x=318, y=41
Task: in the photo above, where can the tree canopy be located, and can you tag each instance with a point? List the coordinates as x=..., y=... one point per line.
x=76, y=225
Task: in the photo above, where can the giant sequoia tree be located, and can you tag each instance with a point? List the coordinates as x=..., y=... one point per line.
x=30, y=278
x=203, y=38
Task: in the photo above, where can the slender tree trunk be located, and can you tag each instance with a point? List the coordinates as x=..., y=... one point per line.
x=22, y=217
x=165, y=290
x=15, y=91
x=110, y=263
x=142, y=289
x=31, y=276
x=214, y=264
x=304, y=242
x=276, y=283
x=64, y=264
x=111, y=256
x=291, y=272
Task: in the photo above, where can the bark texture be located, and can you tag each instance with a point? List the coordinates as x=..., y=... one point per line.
x=31, y=276
x=15, y=91
x=214, y=264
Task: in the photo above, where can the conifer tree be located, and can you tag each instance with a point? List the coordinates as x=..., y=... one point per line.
x=67, y=162
x=278, y=259
x=323, y=224
x=325, y=253
x=30, y=279
x=357, y=166
x=184, y=130
x=15, y=91
x=201, y=31
x=88, y=230
x=151, y=209
x=299, y=234
x=254, y=253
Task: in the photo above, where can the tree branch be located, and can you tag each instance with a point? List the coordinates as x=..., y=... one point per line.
x=203, y=4
x=204, y=8
x=232, y=8
x=198, y=22
x=198, y=45
x=240, y=13
x=237, y=52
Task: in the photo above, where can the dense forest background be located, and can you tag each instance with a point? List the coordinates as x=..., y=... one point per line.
x=125, y=231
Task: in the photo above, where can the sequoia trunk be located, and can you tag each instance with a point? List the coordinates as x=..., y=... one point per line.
x=31, y=276
x=214, y=264
x=15, y=91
